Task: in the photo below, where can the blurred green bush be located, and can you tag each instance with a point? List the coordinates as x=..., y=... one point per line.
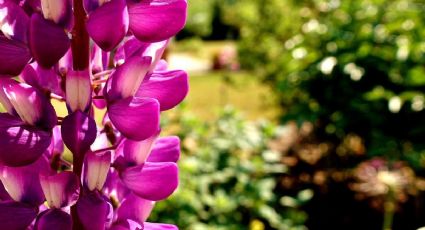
x=354, y=66
x=228, y=178
x=211, y=20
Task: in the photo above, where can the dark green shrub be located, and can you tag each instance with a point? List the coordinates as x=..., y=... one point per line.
x=354, y=66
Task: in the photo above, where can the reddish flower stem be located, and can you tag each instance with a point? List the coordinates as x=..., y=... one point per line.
x=80, y=38
x=99, y=97
x=80, y=60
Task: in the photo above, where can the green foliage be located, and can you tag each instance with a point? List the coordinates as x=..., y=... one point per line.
x=354, y=66
x=209, y=19
x=227, y=178
x=199, y=17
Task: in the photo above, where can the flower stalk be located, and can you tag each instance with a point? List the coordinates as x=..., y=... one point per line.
x=389, y=210
x=80, y=38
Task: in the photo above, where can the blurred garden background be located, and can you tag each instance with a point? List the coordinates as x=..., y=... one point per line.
x=302, y=114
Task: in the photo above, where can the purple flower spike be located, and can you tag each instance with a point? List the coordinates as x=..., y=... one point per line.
x=61, y=189
x=78, y=132
x=96, y=169
x=48, y=41
x=135, y=208
x=23, y=184
x=108, y=24
x=14, y=56
x=148, y=17
x=20, y=144
x=16, y=215
x=78, y=90
x=59, y=11
x=169, y=88
x=152, y=180
x=157, y=226
x=128, y=77
x=166, y=149
x=54, y=219
x=94, y=211
x=94, y=53
x=136, y=118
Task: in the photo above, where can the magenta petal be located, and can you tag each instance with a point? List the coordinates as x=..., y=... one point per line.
x=59, y=11
x=136, y=118
x=99, y=103
x=54, y=219
x=4, y=196
x=114, y=186
x=13, y=21
x=128, y=77
x=156, y=20
x=16, y=215
x=78, y=90
x=48, y=41
x=14, y=56
x=20, y=145
x=158, y=226
x=94, y=211
x=90, y=5
x=136, y=152
x=165, y=149
x=23, y=184
x=99, y=59
x=56, y=148
x=4, y=100
x=133, y=47
x=135, y=208
x=126, y=225
x=78, y=132
x=169, y=88
x=152, y=180
x=61, y=189
x=29, y=76
x=31, y=6
x=47, y=79
x=96, y=169
x=30, y=104
x=162, y=65
x=108, y=24
x=65, y=63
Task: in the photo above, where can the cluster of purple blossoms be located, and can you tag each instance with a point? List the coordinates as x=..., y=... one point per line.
x=91, y=55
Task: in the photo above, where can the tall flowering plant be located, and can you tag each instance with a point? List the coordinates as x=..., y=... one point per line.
x=89, y=54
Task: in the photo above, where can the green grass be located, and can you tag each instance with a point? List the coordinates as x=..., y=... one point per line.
x=212, y=91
